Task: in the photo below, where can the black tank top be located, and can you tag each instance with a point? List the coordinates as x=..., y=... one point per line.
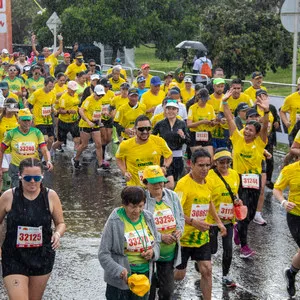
x=32, y=213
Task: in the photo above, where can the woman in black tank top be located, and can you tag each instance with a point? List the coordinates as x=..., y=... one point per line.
x=28, y=250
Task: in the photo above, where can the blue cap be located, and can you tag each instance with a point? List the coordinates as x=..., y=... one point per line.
x=155, y=80
x=141, y=79
x=41, y=57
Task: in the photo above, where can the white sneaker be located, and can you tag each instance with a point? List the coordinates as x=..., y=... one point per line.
x=258, y=219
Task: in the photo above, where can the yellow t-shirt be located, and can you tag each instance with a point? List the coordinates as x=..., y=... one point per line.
x=15, y=85
x=247, y=157
x=52, y=61
x=187, y=95
x=197, y=113
x=73, y=69
x=126, y=115
x=220, y=195
x=179, y=84
x=147, y=82
x=42, y=106
x=32, y=85
x=291, y=105
x=233, y=103
x=215, y=102
x=156, y=118
x=297, y=137
x=92, y=110
x=122, y=71
x=7, y=124
x=106, y=104
x=116, y=84
x=118, y=101
x=289, y=177
x=251, y=92
x=150, y=100
x=138, y=156
x=68, y=102
x=195, y=199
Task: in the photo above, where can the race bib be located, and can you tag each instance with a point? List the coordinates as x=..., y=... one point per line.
x=199, y=211
x=29, y=237
x=297, y=117
x=137, y=242
x=26, y=148
x=226, y=211
x=46, y=111
x=164, y=219
x=202, y=136
x=250, y=181
x=97, y=115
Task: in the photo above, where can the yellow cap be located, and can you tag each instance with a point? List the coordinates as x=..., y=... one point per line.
x=139, y=284
x=154, y=174
x=25, y=114
x=222, y=154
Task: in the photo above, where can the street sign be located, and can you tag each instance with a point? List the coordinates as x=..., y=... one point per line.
x=289, y=11
x=54, y=23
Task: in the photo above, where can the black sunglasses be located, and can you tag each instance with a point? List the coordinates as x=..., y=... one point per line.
x=92, y=65
x=36, y=178
x=142, y=129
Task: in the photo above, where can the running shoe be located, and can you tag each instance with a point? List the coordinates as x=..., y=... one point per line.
x=258, y=219
x=236, y=237
x=246, y=252
x=270, y=185
x=104, y=166
x=228, y=282
x=75, y=163
x=290, y=280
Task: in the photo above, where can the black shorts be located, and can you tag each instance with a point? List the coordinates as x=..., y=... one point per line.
x=20, y=265
x=294, y=227
x=64, y=128
x=263, y=166
x=195, y=253
x=107, y=123
x=46, y=129
x=195, y=143
x=88, y=130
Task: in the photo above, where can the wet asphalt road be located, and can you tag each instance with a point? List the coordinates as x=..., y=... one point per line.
x=88, y=198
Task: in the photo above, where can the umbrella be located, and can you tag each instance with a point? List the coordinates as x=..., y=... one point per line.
x=191, y=45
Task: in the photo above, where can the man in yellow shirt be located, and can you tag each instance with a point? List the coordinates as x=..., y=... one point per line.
x=256, y=79
x=194, y=193
x=178, y=77
x=153, y=97
x=75, y=67
x=188, y=92
x=50, y=58
x=41, y=104
x=140, y=151
x=116, y=80
x=145, y=69
x=35, y=82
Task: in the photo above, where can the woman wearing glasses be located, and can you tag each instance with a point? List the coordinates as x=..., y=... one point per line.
x=28, y=251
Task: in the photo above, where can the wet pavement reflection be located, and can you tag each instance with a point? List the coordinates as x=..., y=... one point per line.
x=88, y=198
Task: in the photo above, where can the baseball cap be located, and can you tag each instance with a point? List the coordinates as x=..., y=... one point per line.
x=125, y=85
x=242, y=106
x=204, y=95
x=154, y=174
x=5, y=51
x=26, y=68
x=95, y=76
x=140, y=79
x=155, y=80
x=144, y=66
x=198, y=86
x=261, y=92
x=25, y=114
x=79, y=55
x=188, y=79
x=172, y=103
x=41, y=57
x=218, y=81
x=72, y=85
x=174, y=91
x=99, y=90
x=67, y=54
x=133, y=91
x=4, y=85
x=105, y=82
x=256, y=74
x=170, y=74
x=251, y=112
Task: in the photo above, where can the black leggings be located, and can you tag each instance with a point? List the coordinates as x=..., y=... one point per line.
x=270, y=162
x=294, y=227
x=226, y=243
x=250, y=199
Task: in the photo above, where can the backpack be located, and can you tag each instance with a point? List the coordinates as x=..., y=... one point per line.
x=205, y=69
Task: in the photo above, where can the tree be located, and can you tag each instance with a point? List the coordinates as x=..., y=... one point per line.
x=242, y=37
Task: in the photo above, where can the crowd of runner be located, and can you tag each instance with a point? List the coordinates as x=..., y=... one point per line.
x=196, y=154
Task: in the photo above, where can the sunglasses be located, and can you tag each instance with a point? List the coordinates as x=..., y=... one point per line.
x=142, y=129
x=28, y=178
x=92, y=65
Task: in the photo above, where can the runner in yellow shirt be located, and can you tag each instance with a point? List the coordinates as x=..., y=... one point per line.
x=120, y=99
x=194, y=194
x=116, y=80
x=41, y=104
x=256, y=79
x=248, y=149
x=188, y=92
x=140, y=151
x=145, y=69
x=35, y=82
x=76, y=67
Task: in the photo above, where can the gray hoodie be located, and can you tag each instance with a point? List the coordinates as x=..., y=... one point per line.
x=171, y=199
x=111, y=251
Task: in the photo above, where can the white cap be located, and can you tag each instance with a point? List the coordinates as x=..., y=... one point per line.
x=5, y=51
x=99, y=90
x=95, y=76
x=172, y=103
x=188, y=79
x=73, y=85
